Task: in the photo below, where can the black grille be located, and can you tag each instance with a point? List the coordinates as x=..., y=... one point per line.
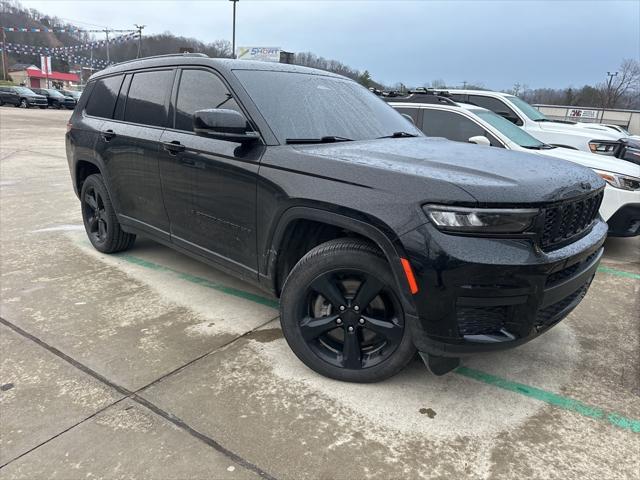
x=564, y=221
x=481, y=320
x=549, y=315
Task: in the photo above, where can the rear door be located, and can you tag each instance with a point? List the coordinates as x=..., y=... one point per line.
x=453, y=126
x=130, y=146
x=209, y=185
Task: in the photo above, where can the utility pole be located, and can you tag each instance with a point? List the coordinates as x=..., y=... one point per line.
x=139, y=27
x=609, y=81
x=233, y=42
x=106, y=31
x=4, y=55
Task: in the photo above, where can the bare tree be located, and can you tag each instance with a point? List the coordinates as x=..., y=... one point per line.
x=625, y=83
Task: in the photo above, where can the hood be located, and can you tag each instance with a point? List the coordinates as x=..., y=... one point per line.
x=593, y=133
x=591, y=160
x=490, y=175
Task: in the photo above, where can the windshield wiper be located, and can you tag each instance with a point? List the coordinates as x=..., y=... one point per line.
x=325, y=139
x=398, y=135
x=542, y=120
x=542, y=146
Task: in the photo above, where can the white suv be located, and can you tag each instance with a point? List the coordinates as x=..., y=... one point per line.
x=593, y=138
x=441, y=117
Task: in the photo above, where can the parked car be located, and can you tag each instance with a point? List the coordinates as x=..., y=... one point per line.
x=75, y=94
x=377, y=239
x=21, y=97
x=577, y=136
x=440, y=117
x=56, y=99
x=631, y=150
x=617, y=128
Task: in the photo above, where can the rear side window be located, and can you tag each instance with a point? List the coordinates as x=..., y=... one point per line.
x=495, y=105
x=438, y=123
x=200, y=90
x=146, y=101
x=103, y=97
x=414, y=113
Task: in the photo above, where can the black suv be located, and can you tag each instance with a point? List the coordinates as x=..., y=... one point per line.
x=21, y=97
x=376, y=239
x=56, y=99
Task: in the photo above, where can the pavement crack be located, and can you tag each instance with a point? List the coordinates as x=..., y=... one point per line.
x=140, y=400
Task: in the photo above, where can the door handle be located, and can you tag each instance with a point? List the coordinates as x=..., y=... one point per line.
x=173, y=147
x=108, y=134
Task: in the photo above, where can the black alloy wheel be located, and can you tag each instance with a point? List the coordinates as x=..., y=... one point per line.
x=96, y=215
x=23, y=103
x=341, y=313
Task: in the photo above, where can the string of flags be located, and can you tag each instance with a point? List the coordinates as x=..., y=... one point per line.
x=80, y=60
x=60, y=30
x=72, y=48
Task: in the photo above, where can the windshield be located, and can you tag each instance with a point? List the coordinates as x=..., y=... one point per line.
x=55, y=93
x=508, y=129
x=527, y=109
x=308, y=106
x=24, y=91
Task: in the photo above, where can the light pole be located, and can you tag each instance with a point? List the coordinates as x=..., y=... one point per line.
x=233, y=42
x=139, y=27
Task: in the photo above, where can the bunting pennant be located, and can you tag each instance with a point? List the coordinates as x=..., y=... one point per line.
x=60, y=30
x=80, y=60
x=74, y=48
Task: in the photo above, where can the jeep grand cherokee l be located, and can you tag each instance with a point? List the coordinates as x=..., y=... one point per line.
x=377, y=240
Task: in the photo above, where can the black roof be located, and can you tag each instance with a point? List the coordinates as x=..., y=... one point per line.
x=224, y=65
x=420, y=97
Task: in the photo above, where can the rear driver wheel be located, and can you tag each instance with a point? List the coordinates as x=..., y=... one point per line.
x=341, y=313
x=99, y=217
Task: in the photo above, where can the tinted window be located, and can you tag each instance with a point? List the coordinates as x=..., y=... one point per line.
x=198, y=90
x=122, y=98
x=147, y=96
x=438, y=123
x=103, y=97
x=495, y=105
x=307, y=106
x=414, y=113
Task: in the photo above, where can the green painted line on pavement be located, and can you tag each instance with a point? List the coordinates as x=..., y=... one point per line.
x=619, y=273
x=552, y=399
x=532, y=392
x=202, y=281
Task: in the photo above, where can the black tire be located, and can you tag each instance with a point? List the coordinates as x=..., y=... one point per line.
x=99, y=217
x=383, y=341
x=23, y=103
x=42, y=107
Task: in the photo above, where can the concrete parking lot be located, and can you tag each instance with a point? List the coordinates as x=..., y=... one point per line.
x=151, y=365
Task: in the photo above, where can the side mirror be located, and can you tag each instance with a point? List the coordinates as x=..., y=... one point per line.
x=223, y=124
x=408, y=117
x=480, y=140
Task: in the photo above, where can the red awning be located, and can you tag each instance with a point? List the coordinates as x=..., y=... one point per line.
x=65, y=77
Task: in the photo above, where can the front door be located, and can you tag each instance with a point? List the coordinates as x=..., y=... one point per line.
x=209, y=185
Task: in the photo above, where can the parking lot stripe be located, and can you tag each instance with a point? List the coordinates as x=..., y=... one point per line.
x=552, y=399
x=619, y=273
x=532, y=392
x=202, y=281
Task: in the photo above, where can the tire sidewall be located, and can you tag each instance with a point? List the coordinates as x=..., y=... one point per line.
x=95, y=182
x=294, y=290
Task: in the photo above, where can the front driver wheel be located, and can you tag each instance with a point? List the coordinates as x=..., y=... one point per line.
x=99, y=217
x=23, y=103
x=341, y=313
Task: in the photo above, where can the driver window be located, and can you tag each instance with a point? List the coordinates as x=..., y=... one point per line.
x=199, y=90
x=497, y=106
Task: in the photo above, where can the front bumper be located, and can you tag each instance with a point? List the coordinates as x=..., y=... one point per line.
x=486, y=294
x=37, y=102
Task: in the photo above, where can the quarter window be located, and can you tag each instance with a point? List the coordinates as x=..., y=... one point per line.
x=103, y=97
x=200, y=90
x=147, y=98
x=414, y=113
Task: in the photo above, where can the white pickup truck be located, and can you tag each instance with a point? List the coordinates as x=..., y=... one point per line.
x=578, y=136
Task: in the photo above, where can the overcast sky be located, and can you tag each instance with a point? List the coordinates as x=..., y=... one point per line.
x=497, y=43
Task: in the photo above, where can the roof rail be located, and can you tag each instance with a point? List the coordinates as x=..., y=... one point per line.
x=422, y=97
x=166, y=55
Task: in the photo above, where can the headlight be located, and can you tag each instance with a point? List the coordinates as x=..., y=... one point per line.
x=480, y=220
x=603, y=147
x=625, y=182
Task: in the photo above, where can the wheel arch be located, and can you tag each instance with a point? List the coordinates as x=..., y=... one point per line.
x=359, y=228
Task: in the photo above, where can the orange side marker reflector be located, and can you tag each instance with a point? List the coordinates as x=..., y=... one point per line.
x=413, y=285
